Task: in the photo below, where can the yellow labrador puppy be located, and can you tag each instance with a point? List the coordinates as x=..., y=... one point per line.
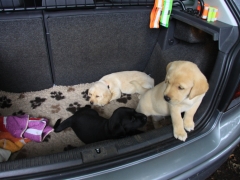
x=182, y=91
x=110, y=87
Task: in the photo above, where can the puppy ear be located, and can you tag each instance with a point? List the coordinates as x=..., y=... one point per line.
x=168, y=66
x=200, y=86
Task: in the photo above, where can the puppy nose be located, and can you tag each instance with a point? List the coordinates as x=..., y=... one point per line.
x=91, y=102
x=167, y=98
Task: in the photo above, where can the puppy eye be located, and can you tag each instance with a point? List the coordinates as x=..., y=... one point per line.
x=180, y=88
x=166, y=81
x=133, y=118
x=97, y=96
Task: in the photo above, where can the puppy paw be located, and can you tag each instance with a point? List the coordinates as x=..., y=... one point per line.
x=180, y=134
x=189, y=125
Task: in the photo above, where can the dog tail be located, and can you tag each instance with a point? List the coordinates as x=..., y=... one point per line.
x=65, y=124
x=141, y=89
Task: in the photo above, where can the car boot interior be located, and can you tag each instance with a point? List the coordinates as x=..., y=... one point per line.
x=72, y=48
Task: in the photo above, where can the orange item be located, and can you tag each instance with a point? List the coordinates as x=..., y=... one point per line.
x=199, y=6
x=205, y=11
x=155, y=14
x=216, y=15
x=8, y=142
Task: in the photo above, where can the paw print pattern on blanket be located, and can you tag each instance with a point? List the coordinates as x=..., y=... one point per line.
x=57, y=95
x=47, y=138
x=70, y=89
x=85, y=95
x=21, y=96
x=56, y=108
x=18, y=113
x=69, y=147
x=5, y=102
x=37, y=102
x=73, y=107
x=124, y=98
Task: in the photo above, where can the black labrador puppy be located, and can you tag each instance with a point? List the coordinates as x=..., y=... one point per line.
x=90, y=127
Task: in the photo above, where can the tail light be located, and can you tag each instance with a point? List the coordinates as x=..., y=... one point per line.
x=236, y=99
x=237, y=93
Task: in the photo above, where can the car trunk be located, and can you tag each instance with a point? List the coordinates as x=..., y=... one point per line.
x=50, y=58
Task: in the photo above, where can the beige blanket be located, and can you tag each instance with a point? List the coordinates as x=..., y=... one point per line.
x=54, y=103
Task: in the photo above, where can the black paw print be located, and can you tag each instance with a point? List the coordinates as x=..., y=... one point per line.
x=124, y=98
x=73, y=107
x=69, y=147
x=85, y=95
x=18, y=113
x=57, y=95
x=46, y=139
x=37, y=102
x=5, y=102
